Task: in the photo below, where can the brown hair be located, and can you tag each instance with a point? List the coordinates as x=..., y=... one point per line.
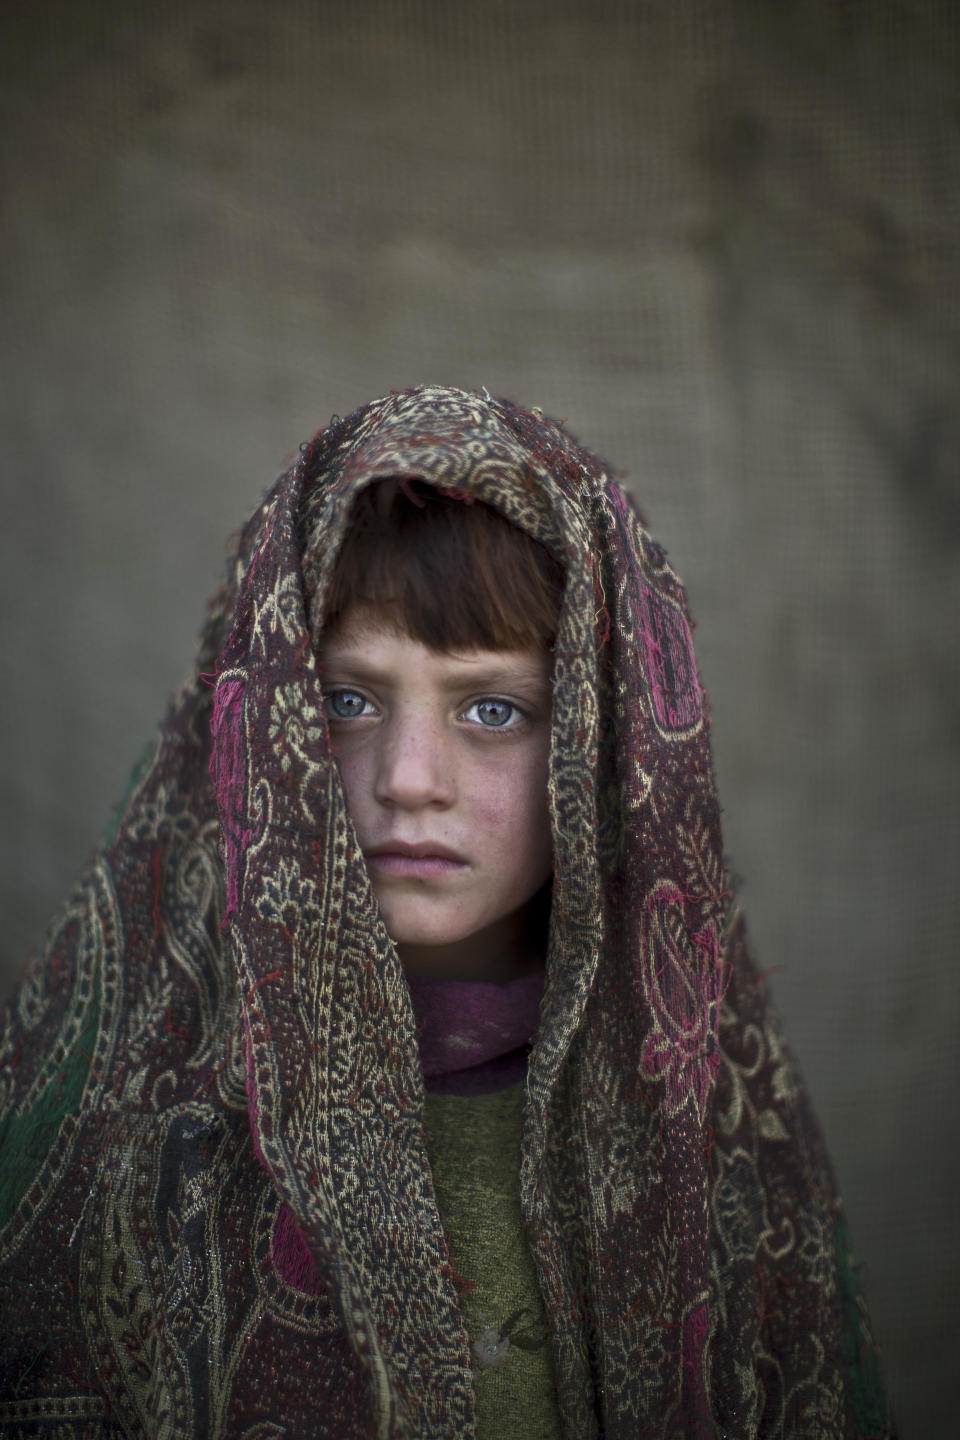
x=450, y=571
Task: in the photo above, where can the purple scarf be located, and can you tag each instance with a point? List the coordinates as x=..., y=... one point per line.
x=474, y=1036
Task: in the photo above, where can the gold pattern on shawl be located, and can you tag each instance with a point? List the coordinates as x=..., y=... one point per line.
x=704, y=867
x=311, y=1314
x=813, y=1407
x=767, y=1053
x=140, y=1368
x=64, y=1417
x=231, y=1066
x=629, y=1149
x=295, y=724
x=280, y=608
x=684, y=980
x=146, y=1013
x=642, y=1330
x=93, y=910
x=290, y=900
x=815, y=1247
x=188, y=911
x=758, y=1088
x=737, y=1198
x=188, y=908
x=160, y=815
x=642, y=792
x=739, y=1209
x=192, y=904
x=152, y=1274
x=94, y=914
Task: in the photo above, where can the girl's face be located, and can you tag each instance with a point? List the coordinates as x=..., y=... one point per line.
x=443, y=759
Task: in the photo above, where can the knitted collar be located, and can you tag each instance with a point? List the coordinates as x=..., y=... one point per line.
x=474, y=1036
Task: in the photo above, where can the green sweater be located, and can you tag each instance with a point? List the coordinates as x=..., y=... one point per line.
x=473, y=1142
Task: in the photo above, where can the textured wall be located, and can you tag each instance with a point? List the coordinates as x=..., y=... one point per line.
x=721, y=240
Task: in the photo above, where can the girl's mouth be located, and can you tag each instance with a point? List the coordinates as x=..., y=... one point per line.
x=424, y=861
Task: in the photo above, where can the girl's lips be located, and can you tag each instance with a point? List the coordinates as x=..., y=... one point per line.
x=426, y=861
x=415, y=867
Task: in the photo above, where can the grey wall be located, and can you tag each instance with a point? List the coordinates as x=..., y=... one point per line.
x=722, y=241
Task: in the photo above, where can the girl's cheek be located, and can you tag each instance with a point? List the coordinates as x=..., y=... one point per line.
x=491, y=811
x=511, y=798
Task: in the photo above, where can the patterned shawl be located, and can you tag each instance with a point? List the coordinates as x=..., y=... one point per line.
x=217, y=1213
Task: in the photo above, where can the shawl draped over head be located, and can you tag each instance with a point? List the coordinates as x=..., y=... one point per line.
x=217, y=1213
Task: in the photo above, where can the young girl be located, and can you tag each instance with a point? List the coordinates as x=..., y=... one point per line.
x=400, y=1069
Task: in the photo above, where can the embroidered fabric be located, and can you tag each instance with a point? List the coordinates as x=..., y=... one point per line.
x=216, y=1060
x=474, y=1037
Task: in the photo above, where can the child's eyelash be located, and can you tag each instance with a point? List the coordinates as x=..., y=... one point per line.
x=516, y=715
x=346, y=702
x=332, y=696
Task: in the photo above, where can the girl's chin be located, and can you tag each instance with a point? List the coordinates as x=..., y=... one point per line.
x=469, y=943
x=496, y=953
x=429, y=928
x=415, y=938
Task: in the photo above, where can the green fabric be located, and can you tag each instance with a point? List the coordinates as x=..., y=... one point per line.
x=473, y=1142
x=26, y=1136
x=140, y=768
x=864, y=1380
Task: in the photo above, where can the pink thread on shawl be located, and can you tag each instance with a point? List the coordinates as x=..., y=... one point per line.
x=667, y=645
x=668, y=652
x=291, y=1255
x=228, y=770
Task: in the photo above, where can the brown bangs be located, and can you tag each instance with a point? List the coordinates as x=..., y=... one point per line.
x=452, y=573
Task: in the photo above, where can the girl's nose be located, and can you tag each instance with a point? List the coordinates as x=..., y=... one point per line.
x=415, y=765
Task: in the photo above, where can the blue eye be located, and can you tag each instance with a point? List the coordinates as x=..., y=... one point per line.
x=494, y=713
x=344, y=704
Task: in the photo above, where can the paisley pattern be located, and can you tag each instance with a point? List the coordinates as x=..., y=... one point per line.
x=217, y=1212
